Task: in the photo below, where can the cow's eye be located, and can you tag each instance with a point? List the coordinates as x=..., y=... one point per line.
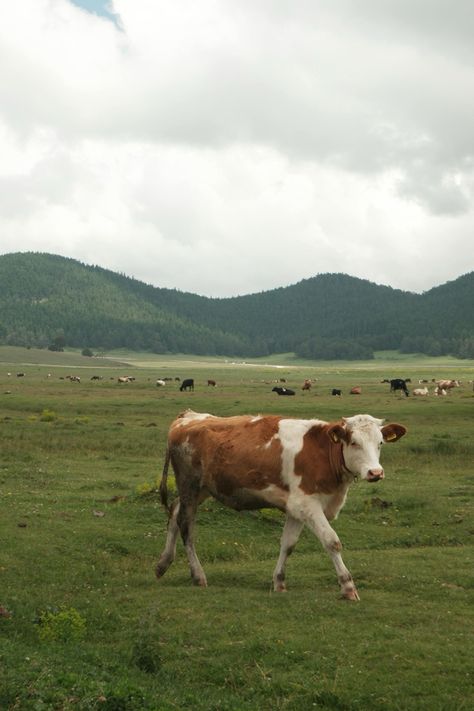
x=354, y=444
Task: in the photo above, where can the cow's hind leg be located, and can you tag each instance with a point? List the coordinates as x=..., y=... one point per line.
x=289, y=538
x=169, y=551
x=186, y=519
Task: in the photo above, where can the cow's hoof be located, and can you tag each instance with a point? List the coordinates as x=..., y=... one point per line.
x=351, y=595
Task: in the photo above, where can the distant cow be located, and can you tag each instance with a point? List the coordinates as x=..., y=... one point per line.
x=282, y=391
x=20, y=375
x=160, y=383
x=212, y=382
x=399, y=384
x=123, y=379
x=96, y=377
x=301, y=467
x=306, y=385
x=356, y=390
x=421, y=391
x=447, y=384
x=187, y=384
x=336, y=391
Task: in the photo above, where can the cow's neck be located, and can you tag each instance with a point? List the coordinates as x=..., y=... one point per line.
x=338, y=465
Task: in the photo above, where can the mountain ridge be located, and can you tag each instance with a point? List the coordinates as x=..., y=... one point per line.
x=47, y=299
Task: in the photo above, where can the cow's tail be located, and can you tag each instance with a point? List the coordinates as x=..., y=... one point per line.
x=164, y=482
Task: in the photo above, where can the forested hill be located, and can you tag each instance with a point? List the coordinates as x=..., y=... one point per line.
x=51, y=302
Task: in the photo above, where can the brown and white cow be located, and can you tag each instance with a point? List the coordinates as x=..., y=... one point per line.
x=302, y=467
x=447, y=384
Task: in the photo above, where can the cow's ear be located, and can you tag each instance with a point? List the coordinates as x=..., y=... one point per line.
x=393, y=432
x=336, y=433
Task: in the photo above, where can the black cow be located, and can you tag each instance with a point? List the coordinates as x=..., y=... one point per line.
x=336, y=391
x=398, y=384
x=283, y=391
x=187, y=384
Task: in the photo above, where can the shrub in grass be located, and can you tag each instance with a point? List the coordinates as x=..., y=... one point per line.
x=48, y=416
x=125, y=696
x=145, y=489
x=146, y=654
x=65, y=625
x=82, y=420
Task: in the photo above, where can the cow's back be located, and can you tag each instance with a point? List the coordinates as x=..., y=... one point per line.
x=235, y=459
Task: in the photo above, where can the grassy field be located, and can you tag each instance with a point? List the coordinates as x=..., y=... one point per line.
x=85, y=625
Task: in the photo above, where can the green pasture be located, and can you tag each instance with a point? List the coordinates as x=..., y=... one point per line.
x=85, y=625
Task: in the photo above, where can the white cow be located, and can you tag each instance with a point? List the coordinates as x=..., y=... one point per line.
x=421, y=391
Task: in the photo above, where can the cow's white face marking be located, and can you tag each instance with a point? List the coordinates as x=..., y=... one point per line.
x=362, y=453
x=291, y=434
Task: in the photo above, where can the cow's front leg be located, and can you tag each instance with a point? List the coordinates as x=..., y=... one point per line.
x=289, y=538
x=312, y=514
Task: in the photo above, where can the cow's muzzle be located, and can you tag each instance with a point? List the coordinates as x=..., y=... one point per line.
x=375, y=474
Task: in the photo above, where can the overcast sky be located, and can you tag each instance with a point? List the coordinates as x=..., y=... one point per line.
x=227, y=147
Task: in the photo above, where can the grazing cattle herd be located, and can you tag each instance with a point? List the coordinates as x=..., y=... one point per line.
x=302, y=467
x=441, y=387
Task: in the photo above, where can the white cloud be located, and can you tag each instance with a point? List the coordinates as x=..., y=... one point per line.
x=224, y=148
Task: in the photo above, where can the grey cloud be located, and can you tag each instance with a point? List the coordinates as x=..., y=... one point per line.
x=220, y=133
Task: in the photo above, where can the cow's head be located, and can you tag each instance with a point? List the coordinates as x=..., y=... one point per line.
x=362, y=437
